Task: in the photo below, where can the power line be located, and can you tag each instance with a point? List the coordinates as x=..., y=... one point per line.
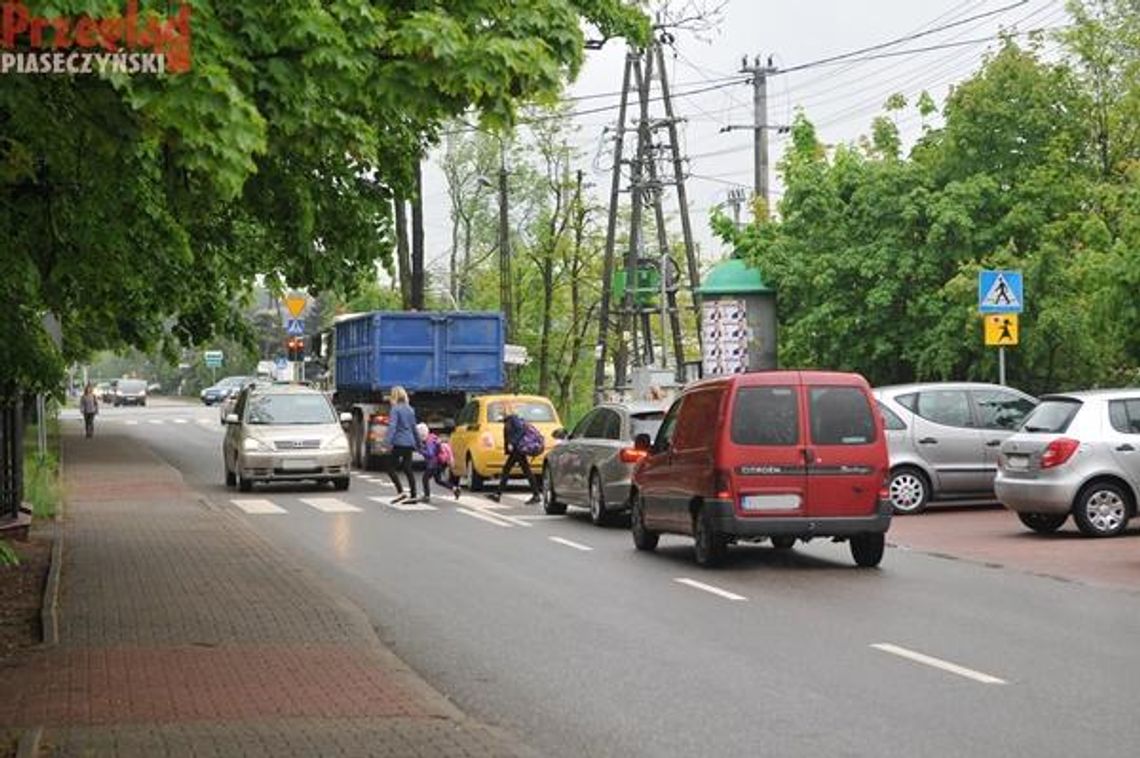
x=899, y=40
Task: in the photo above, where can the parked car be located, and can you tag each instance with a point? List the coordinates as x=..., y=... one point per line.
x=284, y=433
x=594, y=464
x=477, y=441
x=1078, y=453
x=943, y=439
x=129, y=392
x=779, y=455
x=224, y=388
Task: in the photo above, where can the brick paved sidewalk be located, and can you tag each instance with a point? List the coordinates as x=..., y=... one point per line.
x=184, y=633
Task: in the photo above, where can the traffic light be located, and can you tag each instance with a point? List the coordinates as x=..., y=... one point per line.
x=296, y=348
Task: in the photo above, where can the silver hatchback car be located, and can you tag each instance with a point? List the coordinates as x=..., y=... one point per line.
x=284, y=433
x=1077, y=453
x=943, y=439
x=593, y=466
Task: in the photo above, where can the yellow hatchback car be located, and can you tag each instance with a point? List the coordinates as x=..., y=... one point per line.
x=477, y=442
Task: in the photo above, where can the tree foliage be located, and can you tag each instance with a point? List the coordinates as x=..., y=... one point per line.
x=1036, y=167
x=139, y=209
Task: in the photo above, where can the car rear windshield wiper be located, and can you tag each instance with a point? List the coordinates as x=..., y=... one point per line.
x=1038, y=429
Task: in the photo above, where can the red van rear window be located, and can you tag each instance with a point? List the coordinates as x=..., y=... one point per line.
x=765, y=416
x=840, y=416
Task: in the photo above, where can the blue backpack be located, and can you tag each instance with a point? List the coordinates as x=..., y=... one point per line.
x=531, y=442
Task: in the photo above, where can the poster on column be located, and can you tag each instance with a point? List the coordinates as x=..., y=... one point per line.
x=725, y=337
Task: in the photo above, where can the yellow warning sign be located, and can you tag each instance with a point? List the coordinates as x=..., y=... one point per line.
x=295, y=304
x=1001, y=330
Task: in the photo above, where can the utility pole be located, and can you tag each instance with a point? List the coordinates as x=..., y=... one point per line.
x=759, y=125
x=611, y=236
x=505, y=248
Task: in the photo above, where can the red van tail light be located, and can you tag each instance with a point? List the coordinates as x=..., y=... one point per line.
x=1059, y=451
x=632, y=454
x=722, y=485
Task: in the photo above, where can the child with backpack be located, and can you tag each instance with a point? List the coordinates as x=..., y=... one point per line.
x=522, y=440
x=438, y=458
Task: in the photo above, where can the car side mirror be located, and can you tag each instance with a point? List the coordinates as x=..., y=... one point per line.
x=643, y=442
x=560, y=434
x=232, y=418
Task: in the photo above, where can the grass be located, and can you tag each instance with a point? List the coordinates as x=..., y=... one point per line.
x=42, y=485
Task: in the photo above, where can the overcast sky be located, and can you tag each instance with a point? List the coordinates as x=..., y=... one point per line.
x=840, y=99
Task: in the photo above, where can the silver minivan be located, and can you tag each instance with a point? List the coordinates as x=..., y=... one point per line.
x=1078, y=453
x=943, y=439
x=280, y=432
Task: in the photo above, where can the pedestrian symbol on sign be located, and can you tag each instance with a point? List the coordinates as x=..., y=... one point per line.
x=1000, y=292
x=1001, y=331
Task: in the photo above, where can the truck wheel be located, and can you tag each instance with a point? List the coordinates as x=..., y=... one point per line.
x=474, y=480
x=867, y=549
x=231, y=478
x=341, y=483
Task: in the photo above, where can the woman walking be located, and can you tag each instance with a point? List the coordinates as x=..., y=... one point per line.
x=401, y=440
x=89, y=406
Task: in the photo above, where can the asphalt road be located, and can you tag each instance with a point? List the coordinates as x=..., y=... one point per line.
x=563, y=633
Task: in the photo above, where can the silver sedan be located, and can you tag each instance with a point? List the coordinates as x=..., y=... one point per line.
x=593, y=464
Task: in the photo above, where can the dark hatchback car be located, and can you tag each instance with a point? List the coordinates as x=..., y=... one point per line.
x=779, y=455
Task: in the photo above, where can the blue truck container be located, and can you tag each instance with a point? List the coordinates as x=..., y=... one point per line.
x=440, y=358
x=422, y=352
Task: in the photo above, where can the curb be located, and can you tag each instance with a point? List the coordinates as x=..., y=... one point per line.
x=49, y=608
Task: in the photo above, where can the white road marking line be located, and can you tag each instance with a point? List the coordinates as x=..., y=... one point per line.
x=709, y=588
x=937, y=663
x=330, y=505
x=490, y=518
x=131, y=422
x=156, y=421
x=540, y=517
x=258, y=506
x=181, y=421
x=404, y=506
x=570, y=543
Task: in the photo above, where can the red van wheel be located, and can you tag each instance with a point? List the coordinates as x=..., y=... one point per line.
x=709, y=545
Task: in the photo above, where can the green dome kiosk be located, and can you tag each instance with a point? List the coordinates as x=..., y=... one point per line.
x=738, y=320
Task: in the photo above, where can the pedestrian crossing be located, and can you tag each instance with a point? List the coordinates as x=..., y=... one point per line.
x=473, y=506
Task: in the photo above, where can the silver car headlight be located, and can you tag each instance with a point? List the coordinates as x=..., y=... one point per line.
x=254, y=445
x=337, y=442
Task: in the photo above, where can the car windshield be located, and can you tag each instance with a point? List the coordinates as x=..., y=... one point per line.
x=646, y=423
x=131, y=385
x=528, y=410
x=288, y=409
x=1052, y=416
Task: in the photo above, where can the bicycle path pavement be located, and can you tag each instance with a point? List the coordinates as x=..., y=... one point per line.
x=183, y=632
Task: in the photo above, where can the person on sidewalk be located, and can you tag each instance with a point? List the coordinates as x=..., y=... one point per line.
x=437, y=460
x=514, y=432
x=89, y=406
x=401, y=441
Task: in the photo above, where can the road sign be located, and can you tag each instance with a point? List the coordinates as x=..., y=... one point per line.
x=1000, y=292
x=295, y=304
x=515, y=355
x=1001, y=330
x=295, y=326
x=212, y=358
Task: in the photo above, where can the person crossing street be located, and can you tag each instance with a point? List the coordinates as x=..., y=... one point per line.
x=519, y=442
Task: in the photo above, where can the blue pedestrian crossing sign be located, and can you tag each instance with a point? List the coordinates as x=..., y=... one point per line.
x=1000, y=292
x=295, y=326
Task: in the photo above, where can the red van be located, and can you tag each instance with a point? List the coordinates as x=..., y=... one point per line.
x=779, y=455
